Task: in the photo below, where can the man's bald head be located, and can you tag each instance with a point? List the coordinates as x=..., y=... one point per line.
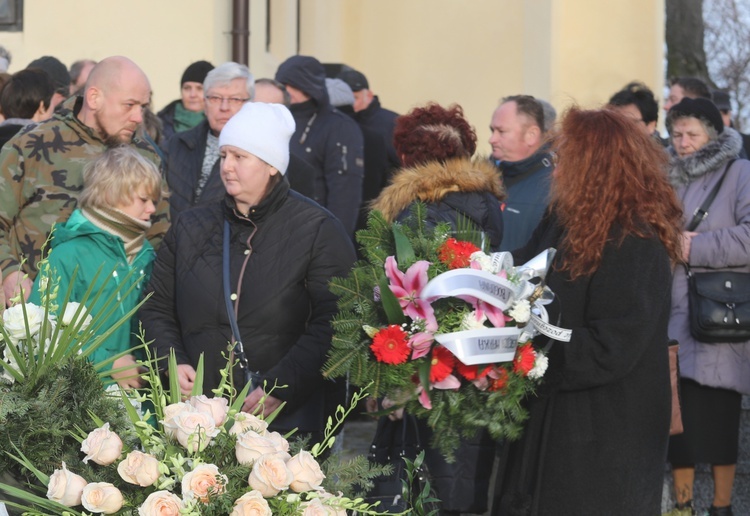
x=115, y=95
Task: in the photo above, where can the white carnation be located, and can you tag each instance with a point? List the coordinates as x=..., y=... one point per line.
x=521, y=311
x=484, y=261
x=470, y=321
x=540, y=366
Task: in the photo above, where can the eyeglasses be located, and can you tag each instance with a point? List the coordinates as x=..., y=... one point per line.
x=232, y=101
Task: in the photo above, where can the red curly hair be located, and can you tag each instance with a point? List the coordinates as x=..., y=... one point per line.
x=610, y=172
x=433, y=133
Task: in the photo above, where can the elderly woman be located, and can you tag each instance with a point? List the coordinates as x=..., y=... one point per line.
x=276, y=250
x=598, y=428
x=714, y=376
x=103, y=244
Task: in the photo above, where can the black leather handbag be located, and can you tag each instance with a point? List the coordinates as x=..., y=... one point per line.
x=719, y=302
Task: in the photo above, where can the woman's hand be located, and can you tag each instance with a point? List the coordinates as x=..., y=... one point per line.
x=128, y=378
x=687, y=238
x=257, y=400
x=186, y=378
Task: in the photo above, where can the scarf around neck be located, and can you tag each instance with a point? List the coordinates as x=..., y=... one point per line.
x=131, y=231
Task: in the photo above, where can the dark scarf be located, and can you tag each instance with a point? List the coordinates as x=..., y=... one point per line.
x=131, y=231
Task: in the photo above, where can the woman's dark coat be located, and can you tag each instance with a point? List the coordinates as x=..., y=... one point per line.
x=596, y=439
x=285, y=306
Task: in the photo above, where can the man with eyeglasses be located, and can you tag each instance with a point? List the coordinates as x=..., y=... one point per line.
x=192, y=156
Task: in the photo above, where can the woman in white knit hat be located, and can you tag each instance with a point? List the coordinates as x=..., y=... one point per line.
x=248, y=277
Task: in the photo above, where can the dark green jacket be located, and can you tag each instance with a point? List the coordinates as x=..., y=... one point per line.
x=79, y=244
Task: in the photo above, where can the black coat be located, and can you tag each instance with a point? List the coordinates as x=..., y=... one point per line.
x=596, y=439
x=184, y=160
x=382, y=121
x=285, y=306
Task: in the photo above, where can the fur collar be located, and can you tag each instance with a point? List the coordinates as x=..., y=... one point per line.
x=706, y=159
x=431, y=182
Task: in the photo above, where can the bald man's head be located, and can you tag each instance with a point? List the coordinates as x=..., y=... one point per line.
x=115, y=95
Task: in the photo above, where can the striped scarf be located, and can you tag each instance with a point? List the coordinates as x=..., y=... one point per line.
x=131, y=231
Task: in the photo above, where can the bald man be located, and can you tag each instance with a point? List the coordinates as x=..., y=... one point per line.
x=41, y=168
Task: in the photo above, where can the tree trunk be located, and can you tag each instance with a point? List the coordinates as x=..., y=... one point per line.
x=684, y=34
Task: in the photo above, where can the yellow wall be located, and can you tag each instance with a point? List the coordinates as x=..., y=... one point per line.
x=468, y=51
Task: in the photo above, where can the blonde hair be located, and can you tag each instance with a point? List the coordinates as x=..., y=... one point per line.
x=115, y=177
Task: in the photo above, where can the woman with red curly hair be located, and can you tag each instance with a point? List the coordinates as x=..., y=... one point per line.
x=436, y=145
x=596, y=438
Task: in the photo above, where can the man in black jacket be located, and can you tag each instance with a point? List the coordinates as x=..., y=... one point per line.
x=326, y=138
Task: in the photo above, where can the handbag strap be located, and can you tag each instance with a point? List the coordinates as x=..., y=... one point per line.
x=239, y=350
x=702, y=212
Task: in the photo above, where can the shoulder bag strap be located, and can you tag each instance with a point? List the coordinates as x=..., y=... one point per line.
x=702, y=212
x=239, y=350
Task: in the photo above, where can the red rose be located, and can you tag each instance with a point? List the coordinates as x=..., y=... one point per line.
x=442, y=364
x=472, y=372
x=455, y=254
x=391, y=345
x=498, y=380
x=524, y=361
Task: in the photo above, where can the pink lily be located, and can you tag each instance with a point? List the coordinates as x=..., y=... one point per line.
x=448, y=383
x=407, y=287
x=420, y=344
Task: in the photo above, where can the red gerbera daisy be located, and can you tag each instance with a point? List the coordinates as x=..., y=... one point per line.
x=498, y=380
x=472, y=372
x=456, y=254
x=391, y=345
x=442, y=364
x=524, y=361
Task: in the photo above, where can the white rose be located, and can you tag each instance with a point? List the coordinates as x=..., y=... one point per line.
x=205, y=479
x=540, y=366
x=102, y=497
x=65, y=487
x=251, y=446
x=102, y=446
x=139, y=468
x=470, y=321
x=193, y=430
x=251, y=504
x=170, y=411
x=217, y=407
x=521, y=311
x=316, y=507
x=307, y=473
x=15, y=324
x=281, y=444
x=69, y=316
x=270, y=475
x=244, y=422
x=161, y=503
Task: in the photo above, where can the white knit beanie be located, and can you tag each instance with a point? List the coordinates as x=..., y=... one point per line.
x=263, y=130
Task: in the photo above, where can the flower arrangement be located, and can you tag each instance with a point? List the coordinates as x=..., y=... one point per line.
x=441, y=328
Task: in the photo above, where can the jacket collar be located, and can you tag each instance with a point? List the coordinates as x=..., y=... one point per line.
x=196, y=136
x=267, y=207
x=706, y=159
x=514, y=168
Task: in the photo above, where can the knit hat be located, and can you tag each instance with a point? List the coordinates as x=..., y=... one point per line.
x=263, y=130
x=196, y=72
x=700, y=108
x=356, y=80
x=57, y=71
x=339, y=92
x=721, y=99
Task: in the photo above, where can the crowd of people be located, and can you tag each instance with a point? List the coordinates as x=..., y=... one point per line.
x=235, y=205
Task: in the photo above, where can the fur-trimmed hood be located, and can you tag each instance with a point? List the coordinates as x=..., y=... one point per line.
x=431, y=182
x=706, y=159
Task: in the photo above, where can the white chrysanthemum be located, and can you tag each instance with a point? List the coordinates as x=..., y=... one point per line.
x=540, y=366
x=521, y=311
x=470, y=321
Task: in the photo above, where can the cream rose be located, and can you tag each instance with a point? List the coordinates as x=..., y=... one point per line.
x=65, y=487
x=270, y=475
x=161, y=503
x=15, y=325
x=193, y=430
x=202, y=481
x=251, y=446
x=69, y=316
x=102, y=497
x=217, y=407
x=139, y=468
x=316, y=507
x=102, y=446
x=307, y=473
x=244, y=422
x=251, y=504
x=170, y=411
x=281, y=444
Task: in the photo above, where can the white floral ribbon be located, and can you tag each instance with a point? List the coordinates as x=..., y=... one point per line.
x=482, y=285
x=485, y=346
